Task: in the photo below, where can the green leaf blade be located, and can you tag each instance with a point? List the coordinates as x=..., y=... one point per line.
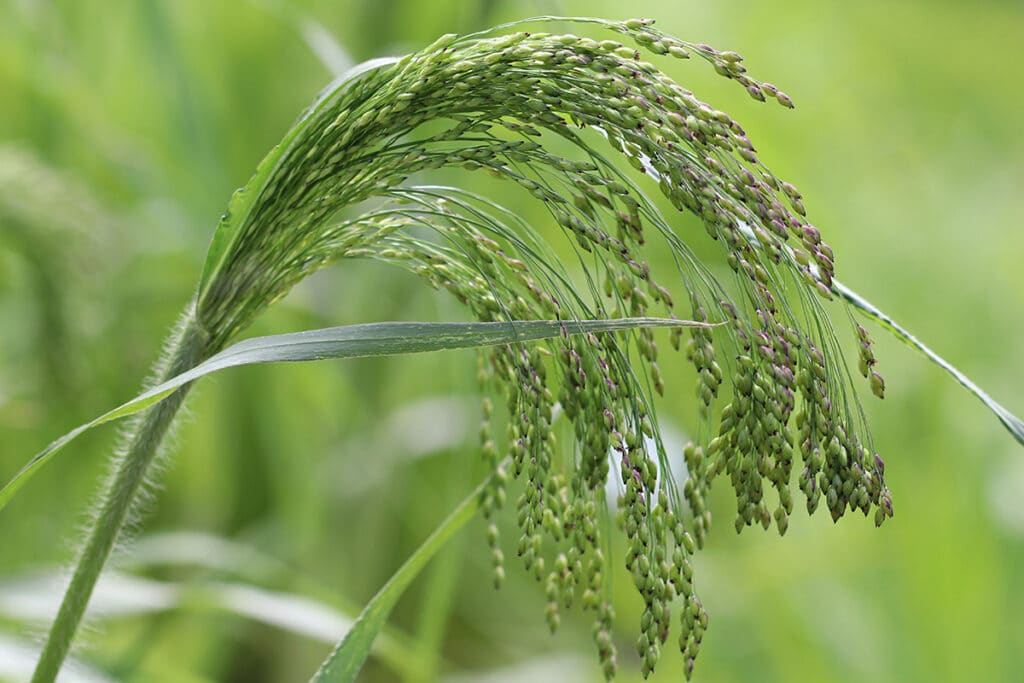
x=347, y=658
x=350, y=341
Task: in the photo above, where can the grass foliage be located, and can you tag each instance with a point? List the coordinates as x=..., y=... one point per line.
x=567, y=122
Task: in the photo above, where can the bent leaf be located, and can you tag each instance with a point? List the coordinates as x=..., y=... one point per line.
x=350, y=341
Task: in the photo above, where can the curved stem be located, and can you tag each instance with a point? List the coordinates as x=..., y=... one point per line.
x=143, y=445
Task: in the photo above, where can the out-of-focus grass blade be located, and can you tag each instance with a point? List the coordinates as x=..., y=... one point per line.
x=35, y=599
x=1009, y=420
x=249, y=569
x=345, y=661
x=351, y=341
x=18, y=658
x=318, y=39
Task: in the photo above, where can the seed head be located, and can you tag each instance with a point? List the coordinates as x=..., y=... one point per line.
x=494, y=104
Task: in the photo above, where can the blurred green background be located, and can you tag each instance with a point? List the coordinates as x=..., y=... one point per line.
x=125, y=126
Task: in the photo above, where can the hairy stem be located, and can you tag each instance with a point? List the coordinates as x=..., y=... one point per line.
x=143, y=445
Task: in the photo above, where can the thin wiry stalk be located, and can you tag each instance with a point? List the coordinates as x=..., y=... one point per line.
x=131, y=467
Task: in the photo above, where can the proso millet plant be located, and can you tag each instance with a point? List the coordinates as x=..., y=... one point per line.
x=555, y=114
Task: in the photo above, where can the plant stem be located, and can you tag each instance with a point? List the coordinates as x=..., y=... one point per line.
x=144, y=441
